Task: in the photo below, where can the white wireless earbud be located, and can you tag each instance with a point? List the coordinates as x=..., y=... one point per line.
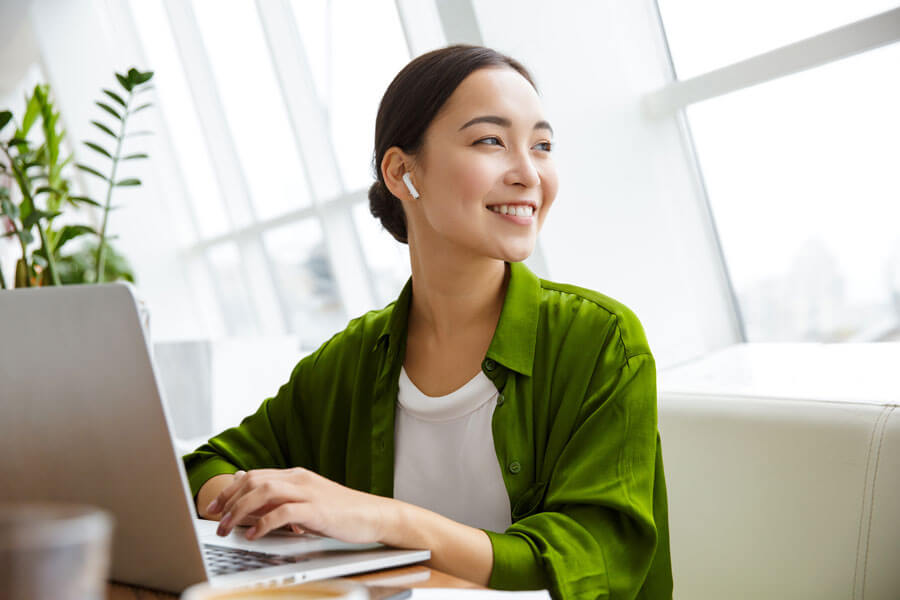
x=410, y=186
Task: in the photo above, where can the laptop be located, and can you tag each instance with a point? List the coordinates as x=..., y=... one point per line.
x=82, y=420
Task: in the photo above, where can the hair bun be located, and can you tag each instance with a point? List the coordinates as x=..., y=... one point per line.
x=386, y=207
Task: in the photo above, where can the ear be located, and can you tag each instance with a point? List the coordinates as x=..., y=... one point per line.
x=394, y=164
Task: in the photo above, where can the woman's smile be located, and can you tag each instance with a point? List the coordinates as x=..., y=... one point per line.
x=522, y=214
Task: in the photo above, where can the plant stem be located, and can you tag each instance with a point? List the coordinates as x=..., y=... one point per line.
x=51, y=262
x=101, y=249
x=2, y=280
x=22, y=181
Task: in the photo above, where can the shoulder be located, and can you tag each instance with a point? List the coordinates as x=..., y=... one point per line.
x=592, y=315
x=353, y=344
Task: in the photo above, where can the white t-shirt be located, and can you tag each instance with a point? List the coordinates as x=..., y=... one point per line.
x=444, y=453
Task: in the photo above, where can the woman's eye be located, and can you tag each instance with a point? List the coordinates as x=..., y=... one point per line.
x=547, y=146
x=488, y=139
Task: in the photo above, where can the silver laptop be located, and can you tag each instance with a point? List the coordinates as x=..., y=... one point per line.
x=82, y=420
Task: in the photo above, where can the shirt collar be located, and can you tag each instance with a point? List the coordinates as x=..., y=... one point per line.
x=515, y=337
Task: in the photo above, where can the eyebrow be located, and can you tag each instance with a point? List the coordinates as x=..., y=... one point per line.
x=503, y=122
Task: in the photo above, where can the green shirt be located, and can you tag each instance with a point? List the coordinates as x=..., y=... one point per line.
x=575, y=431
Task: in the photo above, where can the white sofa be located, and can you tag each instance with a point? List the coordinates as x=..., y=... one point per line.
x=783, y=472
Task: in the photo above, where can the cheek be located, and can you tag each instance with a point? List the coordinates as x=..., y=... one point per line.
x=468, y=179
x=549, y=185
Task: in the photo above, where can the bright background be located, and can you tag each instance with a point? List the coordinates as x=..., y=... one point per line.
x=767, y=214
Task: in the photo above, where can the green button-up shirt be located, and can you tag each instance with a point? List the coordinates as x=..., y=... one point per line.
x=575, y=431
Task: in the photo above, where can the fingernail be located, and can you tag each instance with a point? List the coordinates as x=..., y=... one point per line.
x=251, y=532
x=213, y=506
x=224, y=523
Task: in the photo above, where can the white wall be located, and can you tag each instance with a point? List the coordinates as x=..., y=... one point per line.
x=629, y=220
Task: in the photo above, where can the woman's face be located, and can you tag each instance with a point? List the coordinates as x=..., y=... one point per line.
x=486, y=152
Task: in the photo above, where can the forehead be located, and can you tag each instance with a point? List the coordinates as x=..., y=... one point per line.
x=500, y=91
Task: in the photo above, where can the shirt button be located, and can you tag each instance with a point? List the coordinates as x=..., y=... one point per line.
x=489, y=364
x=514, y=467
x=500, y=400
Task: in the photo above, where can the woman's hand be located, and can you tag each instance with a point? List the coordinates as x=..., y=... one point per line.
x=302, y=498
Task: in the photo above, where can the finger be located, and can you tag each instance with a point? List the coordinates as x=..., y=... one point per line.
x=252, y=518
x=242, y=486
x=245, y=483
x=289, y=512
x=267, y=493
x=219, y=501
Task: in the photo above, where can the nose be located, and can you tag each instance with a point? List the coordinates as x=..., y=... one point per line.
x=522, y=170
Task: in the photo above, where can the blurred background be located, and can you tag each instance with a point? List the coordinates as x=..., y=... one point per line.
x=741, y=161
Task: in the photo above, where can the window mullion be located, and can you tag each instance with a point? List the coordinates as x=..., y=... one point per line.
x=256, y=268
x=842, y=42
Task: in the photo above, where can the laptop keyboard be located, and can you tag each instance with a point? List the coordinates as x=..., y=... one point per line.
x=222, y=560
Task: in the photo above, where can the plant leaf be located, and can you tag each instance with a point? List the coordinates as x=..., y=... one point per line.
x=36, y=215
x=47, y=189
x=85, y=200
x=99, y=149
x=141, y=107
x=5, y=117
x=136, y=133
x=131, y=181
x=93, y=171
x=105, y=129
x=9, y=209
x=143, y=77
x=124, y=82
x=134, y=156
x=115, y=97
x=108, y=109
x=70, y=232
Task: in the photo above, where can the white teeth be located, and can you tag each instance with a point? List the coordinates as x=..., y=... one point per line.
x=519, y=210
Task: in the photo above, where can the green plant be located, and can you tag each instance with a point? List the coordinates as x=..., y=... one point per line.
x=81, y=266
x=133, y=82
x=38, y=172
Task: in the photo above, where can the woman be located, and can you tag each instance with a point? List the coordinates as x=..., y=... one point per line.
x=504, y=422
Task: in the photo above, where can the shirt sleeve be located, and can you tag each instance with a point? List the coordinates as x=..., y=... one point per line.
x=259, y=442
x=596, y=536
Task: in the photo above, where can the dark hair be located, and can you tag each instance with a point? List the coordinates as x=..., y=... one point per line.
x=409, y=105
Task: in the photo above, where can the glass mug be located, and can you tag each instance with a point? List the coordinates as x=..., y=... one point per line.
x=54, y=551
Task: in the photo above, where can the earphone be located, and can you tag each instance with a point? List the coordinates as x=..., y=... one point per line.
x=410, y=186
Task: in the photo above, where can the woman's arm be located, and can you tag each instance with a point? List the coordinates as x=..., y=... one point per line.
x=456, y=549
x=318, y=505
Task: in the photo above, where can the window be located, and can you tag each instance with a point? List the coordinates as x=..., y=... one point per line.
x=704, y=34
x=245, y=120
x=801, y=173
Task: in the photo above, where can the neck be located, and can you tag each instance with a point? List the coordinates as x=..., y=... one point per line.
x=455, y=297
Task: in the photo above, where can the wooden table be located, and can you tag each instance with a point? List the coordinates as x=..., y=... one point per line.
x=415, y=576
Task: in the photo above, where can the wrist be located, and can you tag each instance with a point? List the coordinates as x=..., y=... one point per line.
x=397, y=527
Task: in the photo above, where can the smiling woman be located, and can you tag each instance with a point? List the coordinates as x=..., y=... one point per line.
x=506, y=423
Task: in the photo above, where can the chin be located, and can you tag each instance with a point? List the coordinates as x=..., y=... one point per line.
x=517, y=255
